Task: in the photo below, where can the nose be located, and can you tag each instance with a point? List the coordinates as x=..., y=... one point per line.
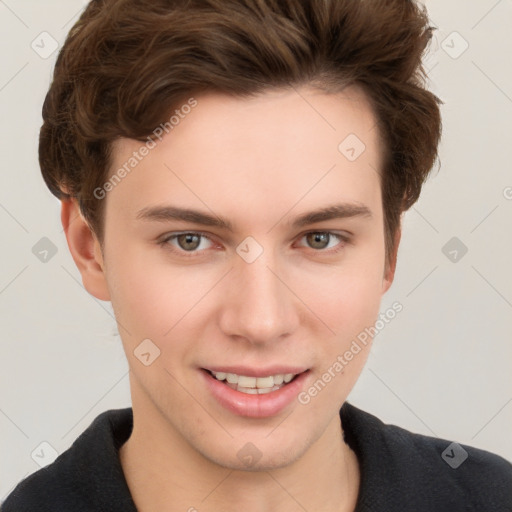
x=256, y=303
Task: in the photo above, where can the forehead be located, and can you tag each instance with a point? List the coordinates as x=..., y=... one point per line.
x=304, y=113
x=280, y=145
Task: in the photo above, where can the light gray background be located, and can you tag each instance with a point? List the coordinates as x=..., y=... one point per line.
x=441, y=368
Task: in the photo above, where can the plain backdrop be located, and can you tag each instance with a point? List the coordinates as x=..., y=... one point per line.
x=440, y=368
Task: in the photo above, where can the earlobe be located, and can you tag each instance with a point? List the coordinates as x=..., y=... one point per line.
x=389, y=274
x=85, y=249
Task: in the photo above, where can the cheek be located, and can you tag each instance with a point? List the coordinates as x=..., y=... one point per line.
x=155, y=299
x=346, y=296
x=141, y=295
x=349, y=306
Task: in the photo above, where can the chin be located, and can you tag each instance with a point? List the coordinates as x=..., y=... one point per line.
x=258, y=456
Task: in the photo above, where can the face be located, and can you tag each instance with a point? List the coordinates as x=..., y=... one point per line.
x=250, y=284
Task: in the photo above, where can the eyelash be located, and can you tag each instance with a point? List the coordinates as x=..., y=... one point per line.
x=193, y=254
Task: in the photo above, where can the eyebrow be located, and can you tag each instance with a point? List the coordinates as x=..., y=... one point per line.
x=167, y=213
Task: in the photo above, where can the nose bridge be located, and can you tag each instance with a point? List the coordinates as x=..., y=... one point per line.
x=258, y=305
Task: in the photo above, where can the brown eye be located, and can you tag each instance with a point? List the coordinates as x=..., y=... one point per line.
x=192, y=243
x=325, y=241
x=318, y=240
x=188, y=241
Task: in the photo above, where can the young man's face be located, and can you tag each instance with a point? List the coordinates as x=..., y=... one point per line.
x=263, y=299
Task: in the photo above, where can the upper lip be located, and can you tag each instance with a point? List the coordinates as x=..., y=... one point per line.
x=257, y=372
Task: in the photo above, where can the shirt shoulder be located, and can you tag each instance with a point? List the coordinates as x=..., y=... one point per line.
x=458, y=472
x=423, y=473
x=84, y=478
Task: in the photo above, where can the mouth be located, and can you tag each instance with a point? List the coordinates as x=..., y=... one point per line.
x=254, y=385
x=261, y=394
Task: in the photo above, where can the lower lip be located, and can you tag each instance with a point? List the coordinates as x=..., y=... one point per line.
x=254, y=406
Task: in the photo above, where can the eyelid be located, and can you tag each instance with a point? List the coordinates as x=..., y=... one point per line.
x=172, y=236
x=343, y=234
x=344, y=238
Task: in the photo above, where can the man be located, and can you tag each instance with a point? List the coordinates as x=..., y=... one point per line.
x=232, y=177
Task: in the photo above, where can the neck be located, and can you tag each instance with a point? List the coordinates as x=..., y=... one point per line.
x=164, y=472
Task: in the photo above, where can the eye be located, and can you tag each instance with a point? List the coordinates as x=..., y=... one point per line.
x=190, y=242
x=320, y=240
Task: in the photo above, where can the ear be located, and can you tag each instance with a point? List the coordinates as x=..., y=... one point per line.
x=389, y=272
x=85, y=249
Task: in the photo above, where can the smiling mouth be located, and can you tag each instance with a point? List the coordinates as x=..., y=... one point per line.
x=253, y=385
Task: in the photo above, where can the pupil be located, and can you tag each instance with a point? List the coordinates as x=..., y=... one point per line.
x=189, y=239
x=322, y=238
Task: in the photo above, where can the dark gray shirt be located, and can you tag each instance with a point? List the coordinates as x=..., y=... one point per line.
x=400, y=471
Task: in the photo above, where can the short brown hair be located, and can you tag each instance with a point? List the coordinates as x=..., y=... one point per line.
x=127, y=63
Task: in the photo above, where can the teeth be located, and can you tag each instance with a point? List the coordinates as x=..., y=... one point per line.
x=254, y=385
x=249, y=391
x=257, y=391
x=247, y=382
x=264, y=382
x=278, y=379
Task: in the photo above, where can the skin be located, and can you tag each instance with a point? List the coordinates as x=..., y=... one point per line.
x=259, y=163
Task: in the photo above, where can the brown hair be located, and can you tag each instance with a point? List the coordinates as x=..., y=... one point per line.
x=127, y=63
